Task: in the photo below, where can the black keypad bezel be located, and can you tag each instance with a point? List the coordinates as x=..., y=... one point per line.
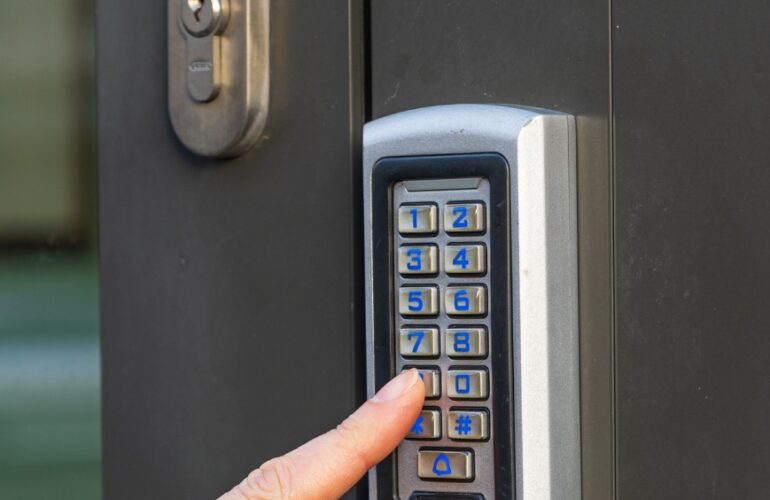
x=495, y=169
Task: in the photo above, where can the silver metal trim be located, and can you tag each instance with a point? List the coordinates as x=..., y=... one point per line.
x=222, y=113
x=541, y=144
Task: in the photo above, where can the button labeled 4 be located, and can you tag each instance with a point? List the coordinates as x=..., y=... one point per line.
x=465, y=259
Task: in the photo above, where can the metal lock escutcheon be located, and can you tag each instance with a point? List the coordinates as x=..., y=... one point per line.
x=218, y=74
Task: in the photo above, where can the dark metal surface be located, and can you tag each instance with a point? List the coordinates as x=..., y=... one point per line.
x=691, y=82
x=548, y=54
x=230, y=291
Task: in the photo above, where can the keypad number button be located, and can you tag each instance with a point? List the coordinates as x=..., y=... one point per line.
x=464, y=218
x=466, y=300
x=466, y=342
x=418, y=301
x=417, y=219
x=415, y=259
x=427, y=425
x=467, y=384
x=419, y=342
x=431, y=377
x=437, y=465
x=465, y=259
x=468, y=425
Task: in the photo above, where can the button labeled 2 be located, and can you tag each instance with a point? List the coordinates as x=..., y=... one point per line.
x=464, y=218
x=422, y=259
x=419, y=342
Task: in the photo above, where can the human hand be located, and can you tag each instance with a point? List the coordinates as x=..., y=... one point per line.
x=331, y=464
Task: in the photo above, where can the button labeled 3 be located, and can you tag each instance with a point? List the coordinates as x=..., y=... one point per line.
x=422, y=259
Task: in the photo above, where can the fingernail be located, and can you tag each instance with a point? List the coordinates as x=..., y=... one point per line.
x=397, y=386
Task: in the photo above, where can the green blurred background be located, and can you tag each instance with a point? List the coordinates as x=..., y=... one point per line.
x=49, y=321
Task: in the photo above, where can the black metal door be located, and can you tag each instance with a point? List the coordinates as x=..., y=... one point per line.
x=231, y=324
x=231, y=304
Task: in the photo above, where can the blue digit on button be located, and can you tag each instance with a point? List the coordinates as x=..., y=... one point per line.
x=415, y=301
x=462, y=342
x=419, y=336
x=461, y=259
x=461, y=220
x=462, y=302
x=416, y=263
x=414, y=217
x=462, y=383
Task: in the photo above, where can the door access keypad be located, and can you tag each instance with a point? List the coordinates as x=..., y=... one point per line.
x=442, y=327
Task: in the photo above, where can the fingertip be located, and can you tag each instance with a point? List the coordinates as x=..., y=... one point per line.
x=399, y=386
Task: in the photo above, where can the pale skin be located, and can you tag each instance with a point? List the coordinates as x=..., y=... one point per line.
x=332, y=463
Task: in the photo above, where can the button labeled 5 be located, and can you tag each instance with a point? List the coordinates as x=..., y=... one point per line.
x=415, y=259
x=465, y=259
x=417, y=219
x=466, y=300
x=419, y=342
x=464, y=218
x=418, y=301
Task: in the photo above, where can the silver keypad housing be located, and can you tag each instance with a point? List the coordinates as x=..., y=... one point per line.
x=483, y=451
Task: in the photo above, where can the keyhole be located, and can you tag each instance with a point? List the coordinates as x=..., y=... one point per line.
x=196, y=6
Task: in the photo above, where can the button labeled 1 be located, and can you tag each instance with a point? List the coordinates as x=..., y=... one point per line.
x=415, y=259
x=445, y=464
x=417, y=219
x=466, y=300
x=418, y=301
x=465, y=259
x=464, y=218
